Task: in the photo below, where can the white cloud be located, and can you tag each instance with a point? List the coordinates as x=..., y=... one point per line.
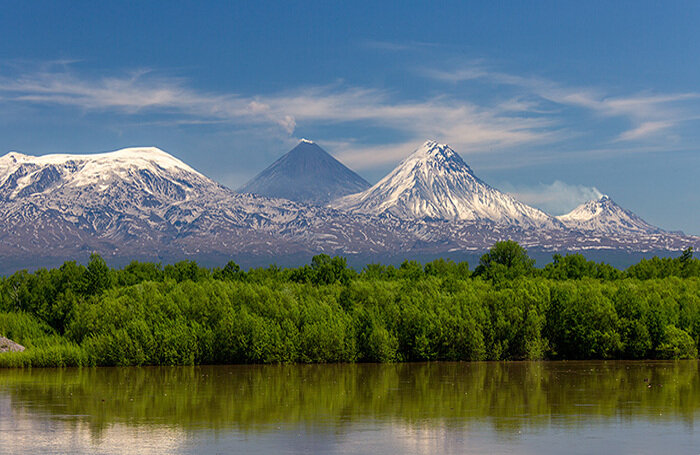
x=360, y=157
x=391, y=46
x=648, y=114
x=140, y=92
x=644, y=130
x=555, y=198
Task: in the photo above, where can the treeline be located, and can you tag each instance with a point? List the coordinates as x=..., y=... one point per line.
x=506, y=309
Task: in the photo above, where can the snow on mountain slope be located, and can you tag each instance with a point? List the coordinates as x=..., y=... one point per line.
x=605, y=216
x=143, y=202
x=434, y=182
x=140, y=194
x=132, y=170
x=307, y=173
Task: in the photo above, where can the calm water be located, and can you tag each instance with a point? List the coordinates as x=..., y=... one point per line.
x=528, y=407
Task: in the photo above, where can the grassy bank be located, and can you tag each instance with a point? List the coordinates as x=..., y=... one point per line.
x=146, y=314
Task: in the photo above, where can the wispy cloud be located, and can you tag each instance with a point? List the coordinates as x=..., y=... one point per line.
x=392, y=46
x=137, y=92
x=526, y=118
x=648, y=114
x=472, y=127
x=645, y=129
x=363, y=157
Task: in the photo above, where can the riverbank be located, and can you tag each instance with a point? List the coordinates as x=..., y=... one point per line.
x=181, y=314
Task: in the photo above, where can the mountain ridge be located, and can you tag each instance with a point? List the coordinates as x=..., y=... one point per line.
x=26, y=176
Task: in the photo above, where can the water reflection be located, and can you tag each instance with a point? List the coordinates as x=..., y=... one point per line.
x=413, y=408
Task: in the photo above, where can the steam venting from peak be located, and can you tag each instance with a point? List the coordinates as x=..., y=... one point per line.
x=557, y=197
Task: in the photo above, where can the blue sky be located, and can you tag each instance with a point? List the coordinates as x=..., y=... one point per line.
x=555, y=102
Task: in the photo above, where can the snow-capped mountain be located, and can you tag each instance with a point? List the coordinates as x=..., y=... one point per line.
x=434, y=182
x=603, y=215
x=143, y=176
x=142, y=203
x=307, y=173
x=129, y=193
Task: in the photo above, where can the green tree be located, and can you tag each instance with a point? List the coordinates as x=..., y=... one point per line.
x=185, y=270
x=690, y=267
x=411, y=270
x=97, y=277
x=676, y=344
x=329, y=270
x=447, y=268
x=231, y=271
x=506, y=260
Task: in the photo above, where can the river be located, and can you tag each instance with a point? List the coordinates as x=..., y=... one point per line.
x=418, y=408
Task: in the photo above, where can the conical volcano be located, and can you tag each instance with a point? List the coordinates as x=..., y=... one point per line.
x=434, y=182
x=307, y=173
x=603, y=215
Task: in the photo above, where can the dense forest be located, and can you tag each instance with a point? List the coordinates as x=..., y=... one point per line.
x=505, y=309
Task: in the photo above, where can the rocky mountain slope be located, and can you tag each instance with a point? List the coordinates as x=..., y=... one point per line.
x=136, y=199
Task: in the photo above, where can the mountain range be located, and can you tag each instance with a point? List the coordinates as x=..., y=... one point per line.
x=142, y=203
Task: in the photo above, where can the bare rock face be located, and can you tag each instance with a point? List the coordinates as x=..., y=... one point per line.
x=7, y=345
